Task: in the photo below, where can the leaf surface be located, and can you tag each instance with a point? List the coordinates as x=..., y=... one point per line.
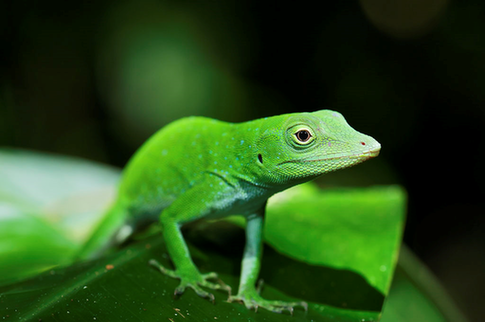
x=335, y=249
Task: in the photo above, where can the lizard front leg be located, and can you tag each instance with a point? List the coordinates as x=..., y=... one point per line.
x=189, y=206
x=251, y=264
x=185, y=270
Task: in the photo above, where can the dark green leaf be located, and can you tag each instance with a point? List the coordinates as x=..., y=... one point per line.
x=132, y=290
x=335, y=249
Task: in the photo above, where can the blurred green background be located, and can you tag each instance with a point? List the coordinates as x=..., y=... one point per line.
x=96, y=79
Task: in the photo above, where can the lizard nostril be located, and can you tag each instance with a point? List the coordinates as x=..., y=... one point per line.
x=363, y=143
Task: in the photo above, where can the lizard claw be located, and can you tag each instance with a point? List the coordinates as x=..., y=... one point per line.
x=194, y=280
x=252, y=300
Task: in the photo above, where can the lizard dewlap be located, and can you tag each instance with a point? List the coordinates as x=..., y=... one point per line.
x=198, y=167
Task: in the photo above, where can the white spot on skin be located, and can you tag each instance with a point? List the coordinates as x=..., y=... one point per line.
x=242, y=142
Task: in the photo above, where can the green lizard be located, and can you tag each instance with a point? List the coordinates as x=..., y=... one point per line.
x=198, y=167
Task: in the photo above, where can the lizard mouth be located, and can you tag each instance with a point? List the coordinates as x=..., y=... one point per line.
x=362, y=156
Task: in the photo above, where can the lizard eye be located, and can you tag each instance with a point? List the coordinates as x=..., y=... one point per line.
x=303, y=136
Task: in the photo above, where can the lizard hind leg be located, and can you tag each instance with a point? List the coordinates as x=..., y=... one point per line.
x=254, y=301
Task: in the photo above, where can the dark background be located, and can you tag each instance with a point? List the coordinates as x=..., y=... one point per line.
x=95, y=79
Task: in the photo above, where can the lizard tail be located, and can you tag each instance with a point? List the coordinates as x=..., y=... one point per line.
x=110, y=231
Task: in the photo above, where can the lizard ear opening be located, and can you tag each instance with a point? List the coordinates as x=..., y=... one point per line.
x=260, y=158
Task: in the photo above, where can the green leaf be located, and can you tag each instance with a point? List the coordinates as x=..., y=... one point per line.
x=28, y=245
x=68, y=192
x=48, y=205
x=347, y=229
x=132, y=290
x=335, y=249
x=351, y=238
x=123, y=286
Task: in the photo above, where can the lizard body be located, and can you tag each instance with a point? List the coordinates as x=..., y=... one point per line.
x=198, y=167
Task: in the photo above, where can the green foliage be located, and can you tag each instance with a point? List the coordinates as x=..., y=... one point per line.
x=352, y=229
x=135, y=291
x=67, y=192
x=29, y=245
x=335, y=249
x=48, y=204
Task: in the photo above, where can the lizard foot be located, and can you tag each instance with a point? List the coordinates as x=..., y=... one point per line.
x=194, y=280
x=252, y=300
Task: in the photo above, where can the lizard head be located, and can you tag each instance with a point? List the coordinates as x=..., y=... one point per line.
x=299, y=147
